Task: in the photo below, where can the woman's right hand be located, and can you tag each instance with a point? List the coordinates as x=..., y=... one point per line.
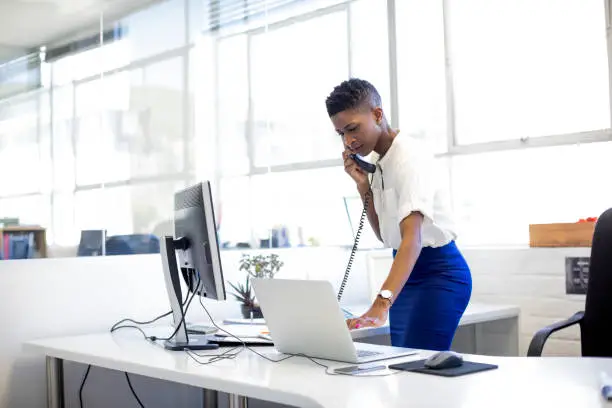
x=352, y=169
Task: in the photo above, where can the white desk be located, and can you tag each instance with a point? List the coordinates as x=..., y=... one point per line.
x=519, y=381
x=484, y=330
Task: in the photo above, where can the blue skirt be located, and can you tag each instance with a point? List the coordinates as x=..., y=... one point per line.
x=426, y=313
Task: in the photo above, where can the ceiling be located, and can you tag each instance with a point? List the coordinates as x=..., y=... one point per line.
x=27, y=24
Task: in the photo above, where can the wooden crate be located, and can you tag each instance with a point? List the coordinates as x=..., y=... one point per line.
x=578, y=234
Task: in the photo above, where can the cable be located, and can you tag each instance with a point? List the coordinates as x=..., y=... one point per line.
x=127, y=377
x=83, y=386
x=225, y=355
x=114, y=327
x=349, y=374
x=228, y=355
x=340, y=373
x=212, y=358
x=368, y=197
x=186, y=305
x=178, y=326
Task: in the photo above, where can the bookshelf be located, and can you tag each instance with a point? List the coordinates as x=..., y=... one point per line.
x=36, y=235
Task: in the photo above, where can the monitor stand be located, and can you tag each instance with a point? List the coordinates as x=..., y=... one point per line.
x=181, y=340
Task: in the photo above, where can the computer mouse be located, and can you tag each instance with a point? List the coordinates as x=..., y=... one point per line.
x=444, y=359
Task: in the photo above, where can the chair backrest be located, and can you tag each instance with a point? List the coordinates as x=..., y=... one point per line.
x=595, y=327
x=132, y=244
x=117, y=245
x=91, y=243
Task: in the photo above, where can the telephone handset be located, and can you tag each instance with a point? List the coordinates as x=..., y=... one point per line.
x=365, y=166
x=368, y=168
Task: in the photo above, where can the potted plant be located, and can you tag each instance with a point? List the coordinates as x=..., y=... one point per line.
x=244, y=294
x=256, y=266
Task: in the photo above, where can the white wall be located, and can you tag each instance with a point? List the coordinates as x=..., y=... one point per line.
x=534, y=280
x=69, y=296
x=59, y=297
x=531, y=278
x=66, y=296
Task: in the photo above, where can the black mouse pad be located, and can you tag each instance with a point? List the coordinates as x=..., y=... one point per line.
x=467, y=367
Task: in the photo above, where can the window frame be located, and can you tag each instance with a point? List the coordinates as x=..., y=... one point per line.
x=250, y=33
x=454, y=148
x=189, y=174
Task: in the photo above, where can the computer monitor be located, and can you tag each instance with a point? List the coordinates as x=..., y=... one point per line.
x=195, y=241
x=194, y=220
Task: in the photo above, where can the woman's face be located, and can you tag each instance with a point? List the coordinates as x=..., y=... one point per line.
x=359, y=129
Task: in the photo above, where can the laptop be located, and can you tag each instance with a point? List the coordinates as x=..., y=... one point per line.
x=304, y=317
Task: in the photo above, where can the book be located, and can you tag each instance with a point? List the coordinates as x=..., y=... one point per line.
x=18, y=245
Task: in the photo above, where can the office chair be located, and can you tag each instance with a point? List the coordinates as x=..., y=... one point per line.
x=595, y=320
x=91, y=243
x=132, y=244
x=117, y=245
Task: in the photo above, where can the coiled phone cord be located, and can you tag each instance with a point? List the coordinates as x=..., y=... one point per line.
x=368, y=197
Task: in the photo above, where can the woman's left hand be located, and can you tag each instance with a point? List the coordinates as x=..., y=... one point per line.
x=376, y=316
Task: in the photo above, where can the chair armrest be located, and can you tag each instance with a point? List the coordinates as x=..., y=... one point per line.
x=537, y=342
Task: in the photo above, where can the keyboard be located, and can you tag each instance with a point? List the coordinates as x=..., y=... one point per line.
x=367, y=353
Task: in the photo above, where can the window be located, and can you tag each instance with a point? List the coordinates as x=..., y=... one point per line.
x=290, y=123
x=19, y=162
x=369, y=48
x=153, y=135
x=133, y=120
x=421, y=71
x=308, y=203
x=30, y=210
x=233, y=105
x=115, y=114
x=317, y=207
x=273, y=114
x=19, y=75
x=103, y=209
x=203, y=113
x=64, y=177
x=158, y=28
x=20, y=158
x=234, y=211
x=65, y=232
x=110, y=92
x=98, y=155
x=139, y=209
x=90, y=63
x=527, y=68
x=497, y=195
x=117, y=129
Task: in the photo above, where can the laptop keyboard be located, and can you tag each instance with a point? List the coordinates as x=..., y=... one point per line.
x=367, y=353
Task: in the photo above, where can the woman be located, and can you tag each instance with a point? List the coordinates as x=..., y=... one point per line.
x=429, y=285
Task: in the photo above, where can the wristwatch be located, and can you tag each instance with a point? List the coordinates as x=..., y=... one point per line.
x=387, y=295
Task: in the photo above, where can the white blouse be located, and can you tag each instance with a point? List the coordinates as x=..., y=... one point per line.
x=407, y=180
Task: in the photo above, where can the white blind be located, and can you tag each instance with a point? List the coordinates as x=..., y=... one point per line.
x=223, y=13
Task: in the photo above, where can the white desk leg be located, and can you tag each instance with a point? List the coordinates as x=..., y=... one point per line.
x=55, y=382
x=237, y=401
